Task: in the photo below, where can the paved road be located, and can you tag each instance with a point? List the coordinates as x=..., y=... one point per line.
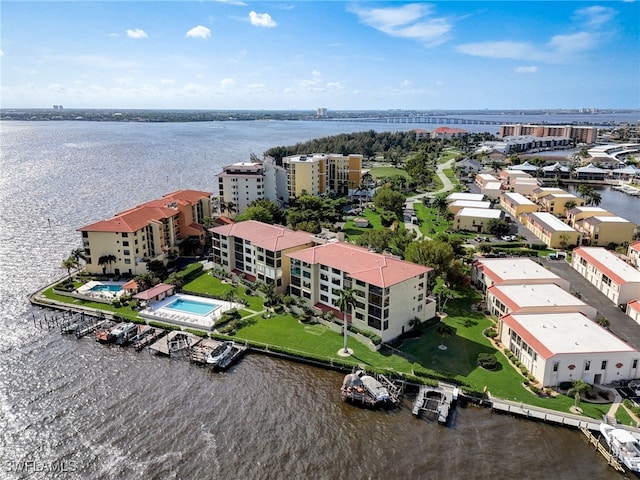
x=619, y=323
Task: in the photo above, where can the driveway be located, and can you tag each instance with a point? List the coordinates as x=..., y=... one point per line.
x=619, y=323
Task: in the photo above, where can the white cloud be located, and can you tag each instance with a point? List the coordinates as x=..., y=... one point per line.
x=529, y=69
x=113, y=35
x=1, y=53
x=199, y=32
x=227, y=82
x=136, y=33
x=261, y=20
x=499, y=49
x=575, y=42
x=237, y=3
x=406, y=83
x=595, y=16
x=334, y=86
x=167, y=81
x=408, y=21
x=57, y=88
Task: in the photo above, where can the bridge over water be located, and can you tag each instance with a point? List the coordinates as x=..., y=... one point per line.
x=417, y=119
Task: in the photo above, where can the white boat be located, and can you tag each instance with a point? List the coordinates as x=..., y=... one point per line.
x=624, y=446
x=219, y=355
x=123, y=333
x=364, y=388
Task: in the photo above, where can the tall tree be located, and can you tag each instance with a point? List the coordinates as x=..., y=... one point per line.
x=69, y=264
x=346, y=302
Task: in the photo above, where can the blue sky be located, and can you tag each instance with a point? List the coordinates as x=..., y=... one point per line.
x=288, y=54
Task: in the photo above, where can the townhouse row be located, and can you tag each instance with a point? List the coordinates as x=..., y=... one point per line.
x=549, y=330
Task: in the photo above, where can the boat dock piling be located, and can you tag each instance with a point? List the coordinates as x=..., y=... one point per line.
x=147, y=336
x=611, y=459
x=199, y=353
x=176, y=341
x=435, y=401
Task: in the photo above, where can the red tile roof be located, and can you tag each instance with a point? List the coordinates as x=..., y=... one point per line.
x=131, y=220
x=153, y=292
x=449, y=130
x=635, y=246
x=635, y=305
x=361, y=264
x=270, y=237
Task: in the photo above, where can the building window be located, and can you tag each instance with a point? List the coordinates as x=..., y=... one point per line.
x=604, y=365
x=635, y=363
x=587, y=365
x=555, y=366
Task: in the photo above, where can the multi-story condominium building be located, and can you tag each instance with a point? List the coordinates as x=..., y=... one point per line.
x=605, y=230
x=516, y=204
x=258, y=250
x=579, y=134
x=562, y=347
x=551, y=230
x=242, y=183
x=614, y=277
x=476, y=219
x=128, y=241
x=633, y=252
x=576, y=214
x=319, y=173
x=482, y=179
x=389, y=293
x=556, y=203
x=486, y=272
x=534, y=298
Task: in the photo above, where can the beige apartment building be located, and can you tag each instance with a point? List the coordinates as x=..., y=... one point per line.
x=389, y=292
x=475, y=219
x=551, y=230
x=516, y=204
x=129, y=240
x=576, y=214
x=319, y=173
x=556, y=203
x=605, y=230
x=258, y=250
x=580, y=134
x=486, y=272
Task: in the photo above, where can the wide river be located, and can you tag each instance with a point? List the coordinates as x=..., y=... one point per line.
x=92, y=412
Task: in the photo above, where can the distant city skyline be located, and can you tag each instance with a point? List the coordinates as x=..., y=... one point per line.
x=360, y=55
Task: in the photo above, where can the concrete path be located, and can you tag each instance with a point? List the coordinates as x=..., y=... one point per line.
x=447, y=186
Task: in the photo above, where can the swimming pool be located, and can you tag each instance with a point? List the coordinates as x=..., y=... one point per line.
x=191, y=306
x=106, y=287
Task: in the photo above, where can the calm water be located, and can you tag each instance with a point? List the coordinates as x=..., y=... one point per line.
x=107, y=412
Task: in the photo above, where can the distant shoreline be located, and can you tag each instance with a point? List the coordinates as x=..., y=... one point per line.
x=176, y=116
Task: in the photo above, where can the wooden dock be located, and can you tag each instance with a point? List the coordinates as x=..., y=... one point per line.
x=147, y=336
x=175, y=342
x=611, y=460
x=545, y=415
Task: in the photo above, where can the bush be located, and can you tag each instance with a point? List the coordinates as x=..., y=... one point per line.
x=491, y=332
x=488, y=361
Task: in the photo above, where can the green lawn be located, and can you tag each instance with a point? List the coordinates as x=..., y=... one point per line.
x=383, y=172
x=210, y=285
x=351, y=231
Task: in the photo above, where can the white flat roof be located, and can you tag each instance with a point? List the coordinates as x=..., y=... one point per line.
x=611, y=219
x=479, y=212
x=509, y=269
x=608, y=263
x=476, y=197
x=526, y=181
x=470, y=203
x=551, y=221
x=568, y=333
x=492, y=186
x=537, y=295
x=518, y=198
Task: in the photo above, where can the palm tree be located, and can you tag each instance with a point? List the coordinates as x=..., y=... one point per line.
x=345, y=302
x=579, y=388
x=269, y=290
x=228, y=207
x=604, y=322
x=106, y=260
x=594, y=198
x=78, y=254
x=69, y=264
x=444, y=330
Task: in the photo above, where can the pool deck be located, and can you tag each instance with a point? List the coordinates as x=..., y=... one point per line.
x=158, y=311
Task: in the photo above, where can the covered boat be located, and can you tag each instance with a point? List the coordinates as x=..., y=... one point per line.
x=364, y=388
x=219, y=356
x=623, y=445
